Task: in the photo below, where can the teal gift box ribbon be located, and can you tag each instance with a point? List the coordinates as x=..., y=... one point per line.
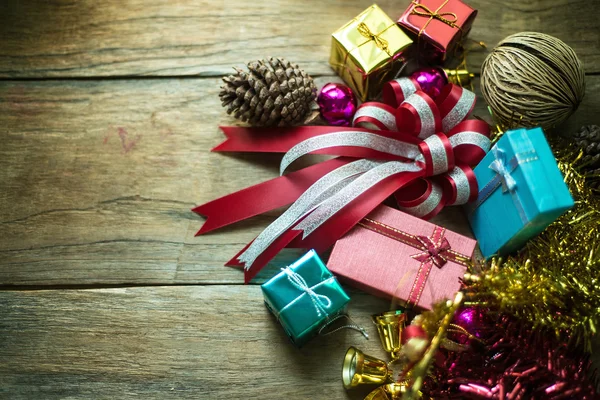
x=521, y=192
x=304, y=297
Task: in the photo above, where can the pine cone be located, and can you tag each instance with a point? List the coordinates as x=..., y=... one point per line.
x=588, y=139
x=593, y=179
x=273, y=92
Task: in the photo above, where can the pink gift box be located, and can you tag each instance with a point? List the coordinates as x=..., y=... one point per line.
x=395, y=255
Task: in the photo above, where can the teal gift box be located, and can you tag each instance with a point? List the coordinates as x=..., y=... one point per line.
x=304, y=297
x=521, y=192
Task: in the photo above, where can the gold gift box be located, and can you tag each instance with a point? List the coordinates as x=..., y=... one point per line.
x=367, y=51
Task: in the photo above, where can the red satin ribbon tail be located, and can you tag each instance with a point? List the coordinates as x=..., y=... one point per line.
x=266, y=196
x=271, y=140
x=341, y=222
x=279, y=244
x=243, y=139
x=234, y=261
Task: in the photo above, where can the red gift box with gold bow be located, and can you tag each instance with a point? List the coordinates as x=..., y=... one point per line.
x=439, y=23
x=394, y=255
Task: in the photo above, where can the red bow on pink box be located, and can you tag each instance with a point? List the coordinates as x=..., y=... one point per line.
x=422, y=152
x=435, y=246
x=434, y=250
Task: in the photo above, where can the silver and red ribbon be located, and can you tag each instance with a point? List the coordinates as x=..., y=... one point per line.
x=421, y=152
x=420, y=116
x=435, y=250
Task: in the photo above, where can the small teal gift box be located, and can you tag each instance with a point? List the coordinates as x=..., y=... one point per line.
x=521, y=192
x=304, y=297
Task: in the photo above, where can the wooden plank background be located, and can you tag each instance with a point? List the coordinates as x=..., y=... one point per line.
x=107, y=114
x=204, y=38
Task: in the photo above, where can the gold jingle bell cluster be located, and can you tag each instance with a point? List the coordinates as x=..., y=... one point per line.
x=362, y=369
x=460, y=75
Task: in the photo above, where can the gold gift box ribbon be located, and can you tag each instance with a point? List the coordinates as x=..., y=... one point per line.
x=424, y=11
x=448, y=18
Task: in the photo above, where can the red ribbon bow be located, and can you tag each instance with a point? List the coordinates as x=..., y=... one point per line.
x=417, y=114
x=410, y=135
x=436, y=244
x=434, y=252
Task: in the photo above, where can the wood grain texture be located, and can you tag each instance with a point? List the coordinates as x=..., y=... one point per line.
x=200, y=342
x=98, y=175
x=62, y=38
x=98, y=180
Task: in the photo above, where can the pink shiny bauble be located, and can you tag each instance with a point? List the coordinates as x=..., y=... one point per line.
x=431, y=80
x=474, y=320
x=337, y=104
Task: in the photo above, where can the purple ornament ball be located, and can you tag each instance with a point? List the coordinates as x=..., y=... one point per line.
x=431, y=79
x=337, y=104
x=474, y=320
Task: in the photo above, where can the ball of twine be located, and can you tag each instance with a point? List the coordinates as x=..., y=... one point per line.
x=532, y=79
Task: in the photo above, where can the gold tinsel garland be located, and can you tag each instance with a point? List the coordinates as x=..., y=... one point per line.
x=554, y=282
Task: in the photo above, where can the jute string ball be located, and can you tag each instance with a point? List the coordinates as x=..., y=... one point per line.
x=532, y=79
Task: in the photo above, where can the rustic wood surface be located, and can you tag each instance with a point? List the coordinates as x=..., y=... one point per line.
x=107, y=114
x=163, y=38
x=166, y=342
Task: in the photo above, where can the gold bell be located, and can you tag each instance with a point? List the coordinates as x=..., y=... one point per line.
x=360, y=368
x=390, y=325
x=391, y=391
x=460, y=77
